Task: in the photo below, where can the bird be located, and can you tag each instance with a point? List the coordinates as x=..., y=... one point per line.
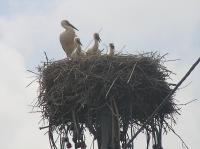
x=94, y=50
x=67, y=37
x=77, y=53
x=112, y=49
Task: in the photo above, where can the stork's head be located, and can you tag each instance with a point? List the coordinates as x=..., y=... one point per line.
x=65, y=24
x=96, y=37
x=111, y=45
x=77, y=41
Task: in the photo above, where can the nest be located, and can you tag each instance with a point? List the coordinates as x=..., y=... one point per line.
x=74, y=94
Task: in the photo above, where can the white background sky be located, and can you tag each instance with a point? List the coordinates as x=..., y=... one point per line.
x=27, y=28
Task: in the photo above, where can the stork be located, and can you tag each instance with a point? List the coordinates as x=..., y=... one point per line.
x=67, y=37
x=94, y=50
x=77, y=53
x=112, y=49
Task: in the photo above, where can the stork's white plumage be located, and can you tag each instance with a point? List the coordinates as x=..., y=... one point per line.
x=77, y=53
x=67, y=37
x=112, y=49
x=94, y=50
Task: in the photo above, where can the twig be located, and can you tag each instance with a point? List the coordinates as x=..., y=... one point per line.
x=75, y=123
x=184, y=104
x=176, y=134
x=172, y=60
x=31, y=82
x=163, y=102
x=185, y=86
x=46, y=57
x=131, y=73
x=36, y=112
x=164, y=55
x=180, y=138
x=44, y=127
x=111, y=87
x=121, y=49
x=33, y=72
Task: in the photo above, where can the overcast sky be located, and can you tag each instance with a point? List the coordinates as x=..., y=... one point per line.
x=27, y=28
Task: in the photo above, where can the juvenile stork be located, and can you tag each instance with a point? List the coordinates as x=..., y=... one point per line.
x=67, y=37
x=112, y=49
x=94, y=50
x=77, y=53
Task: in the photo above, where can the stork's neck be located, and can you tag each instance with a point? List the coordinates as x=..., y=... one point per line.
x=78, y=47
x=96, y=44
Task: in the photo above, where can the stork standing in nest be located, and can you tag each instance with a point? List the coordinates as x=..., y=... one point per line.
x=112, y=49
x=67, y=37
x=77, y=53
x=94, y=50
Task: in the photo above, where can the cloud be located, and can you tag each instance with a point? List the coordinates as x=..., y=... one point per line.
x=18, y=127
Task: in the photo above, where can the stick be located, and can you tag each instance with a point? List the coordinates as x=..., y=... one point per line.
x=184, y=104
x=43, y=127
x=111, y=87
x=46, y=57
x=163, y=102
x=33, y=72
x=75, y=123
x=183, y=142
x=131, y=73
x=31, y=82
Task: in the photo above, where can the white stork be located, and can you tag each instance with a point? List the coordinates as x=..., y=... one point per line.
x=112, y=49
x=94, y=50
x=77, y=53
x=67, y=37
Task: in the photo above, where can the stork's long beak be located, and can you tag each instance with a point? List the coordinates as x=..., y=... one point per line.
x=73, y=26
x=79, y=42
x=99, y=39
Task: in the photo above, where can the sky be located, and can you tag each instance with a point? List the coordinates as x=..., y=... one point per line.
x=28, y=28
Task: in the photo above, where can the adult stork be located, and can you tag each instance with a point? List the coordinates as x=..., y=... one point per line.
x=67, y=37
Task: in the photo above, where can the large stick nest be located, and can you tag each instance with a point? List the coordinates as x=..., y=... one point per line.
x=76, y=92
